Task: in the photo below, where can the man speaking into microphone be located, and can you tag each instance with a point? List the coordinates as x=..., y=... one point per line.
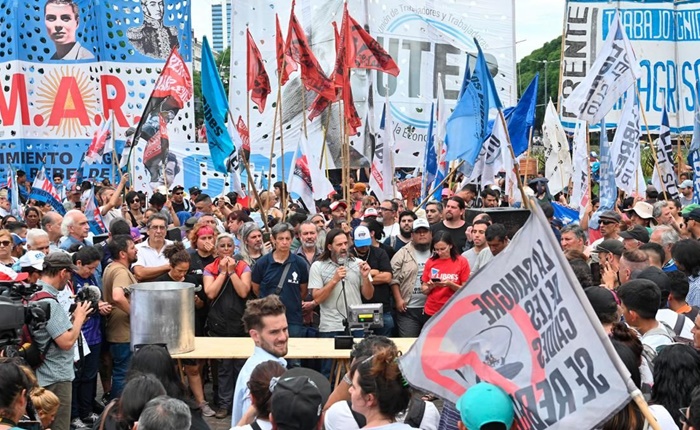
x=336, y=281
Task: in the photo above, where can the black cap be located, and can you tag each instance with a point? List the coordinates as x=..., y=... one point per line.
x=694, y=215
x=298, y=399
x=612, y=246
x=637, y=232
x=610, y=215
x=59, y=260
x=602, y=300
x=177, y=188
x=195, y=190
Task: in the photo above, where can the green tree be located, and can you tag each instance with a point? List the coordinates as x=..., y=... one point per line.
x=548, y=58
x=198, y=107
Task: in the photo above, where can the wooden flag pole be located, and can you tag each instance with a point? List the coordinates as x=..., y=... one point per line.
x=644, y=409
x=588, y=163
x=651, y=143
x=325, y=137
x=274, y=126
x=444, y=180
x=516, y=167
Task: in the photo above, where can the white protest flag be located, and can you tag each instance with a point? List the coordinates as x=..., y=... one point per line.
x=508, y=165
x=557, y=168
x=382, y=172
x=490, y=161
x=527, y=327
x=579, y=165
x=306, y=180
x=625, y=148
x=615, y=70
x=664, y=154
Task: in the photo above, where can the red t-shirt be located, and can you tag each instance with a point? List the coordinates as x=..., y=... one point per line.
x=456, y=271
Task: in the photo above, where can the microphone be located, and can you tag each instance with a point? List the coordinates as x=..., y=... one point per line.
x=92, y=293
x=343, y=261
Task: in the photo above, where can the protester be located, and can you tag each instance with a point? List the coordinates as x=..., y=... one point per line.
x=297, y=400
x=497, y=240
x=74, y=229
x=396, y=242
x=686, y=256
x=679, y=286
x=260, y=394
x=453, y=223
x=666, y=237
x=446, y=271
x=676, y=374
x=15, y=387
x=433, y=212
x=123, y=413
x=474, y=414
x=165, y=413
x=641, y=214
x=46, y=404
x=640, y=301
x=479, y=254
x=573, y=238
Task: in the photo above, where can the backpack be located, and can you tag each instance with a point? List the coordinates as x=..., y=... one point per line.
x=29, y=349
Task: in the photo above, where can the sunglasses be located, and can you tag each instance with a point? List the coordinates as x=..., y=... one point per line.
x=607, y=222
x=179, y=193
x=5, y=243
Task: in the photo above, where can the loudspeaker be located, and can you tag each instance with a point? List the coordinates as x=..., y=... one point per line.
x=511, y=218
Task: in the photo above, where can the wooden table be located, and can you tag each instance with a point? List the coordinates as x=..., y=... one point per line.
x=223, y=348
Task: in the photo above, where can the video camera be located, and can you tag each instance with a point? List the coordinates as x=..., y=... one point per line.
x=16, y=311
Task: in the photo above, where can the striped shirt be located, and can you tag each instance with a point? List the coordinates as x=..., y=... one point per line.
x=334, y=309
x=58, y=365
x=693, y=297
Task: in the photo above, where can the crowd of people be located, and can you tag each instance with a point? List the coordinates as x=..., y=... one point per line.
x=271, y=270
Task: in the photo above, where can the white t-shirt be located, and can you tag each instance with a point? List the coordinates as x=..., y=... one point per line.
x=418, y=299
x=339, y=417
x=110, y=216
x=669, y=317
x=391, y=230
x=664, y=418
x=264, y=425
x=149, y=257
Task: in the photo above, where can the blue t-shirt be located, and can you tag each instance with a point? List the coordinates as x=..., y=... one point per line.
x=267, y=273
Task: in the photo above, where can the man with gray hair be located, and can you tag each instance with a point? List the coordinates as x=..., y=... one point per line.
x=665, y=236
x=38, y=240
x=164, y=413
x=51, y=224
x=151, y=261
x=662, y=214
x=573, y=238
x=284, y=274
x=74, y=229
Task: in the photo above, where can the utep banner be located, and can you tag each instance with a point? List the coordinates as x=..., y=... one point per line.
x=528, y=329
x=423, y=37
x=68, y=66
x=664, y=37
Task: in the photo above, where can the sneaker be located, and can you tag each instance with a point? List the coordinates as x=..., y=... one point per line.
x=78, y=424
x=91, y=419
x=207, y=411
x=221, y=414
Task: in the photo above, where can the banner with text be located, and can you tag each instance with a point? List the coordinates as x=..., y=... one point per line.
x=662, y=33
x=425, y=38
x=70, y=65
x=530, y=330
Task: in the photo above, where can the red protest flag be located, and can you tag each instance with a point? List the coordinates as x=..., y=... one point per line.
x=341, y=78
x=258, y=81
x=244, y=133
x=317, y=107
x=285, y=64
x=362, y=51
x=297, y=48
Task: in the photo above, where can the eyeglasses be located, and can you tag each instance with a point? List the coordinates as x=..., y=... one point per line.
x=5, y=243
x=387, y=209
x=607, y=222
x=156, y=227
x=136, y=201
x=179, y=193
x=684, y=414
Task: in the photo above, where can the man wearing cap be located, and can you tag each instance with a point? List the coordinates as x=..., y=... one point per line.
x=358, y=192
x=604, y=305
x=32, y=263
x=58, y=337
x=609, y=222
x=396, y=242
x=666, y=237
x=380, y=266
x=72, y=200
x=641, y=214
x=692, y=223
x=178, y=200
x=407, y=268
x=485, y=406
x=338, y=213
x=297, y=400
x=75, y=229
x=686, y=191
x=634, y=237
x=609, y=253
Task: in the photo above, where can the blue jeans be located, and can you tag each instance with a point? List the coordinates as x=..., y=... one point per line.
x=85, y=383
x=327, y=364
x=121, y=356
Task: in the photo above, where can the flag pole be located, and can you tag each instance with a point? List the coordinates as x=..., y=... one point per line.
x=588, y=163
x=651, y=143
x=274, y=124
x=516, y=166
x=444, y=180
x=325, y=136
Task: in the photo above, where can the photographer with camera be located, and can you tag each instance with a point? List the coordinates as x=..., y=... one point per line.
x=59, y=335
x=14, y=394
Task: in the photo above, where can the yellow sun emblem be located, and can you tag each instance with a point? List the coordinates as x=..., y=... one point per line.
x=66, y=102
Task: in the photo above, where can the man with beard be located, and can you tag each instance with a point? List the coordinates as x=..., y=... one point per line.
x=309, y=252
x=178, y=200
x=398, y=241
x=337, y=283
x=380, y=266
x=266, y=323
x=433, y=212
x=453, y=222
x=610, y=228
x=480, y=253
x=116, y=281
x=252, y=246
x=407, y=269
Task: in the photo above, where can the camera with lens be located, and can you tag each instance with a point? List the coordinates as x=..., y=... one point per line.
x=90, y=294
x=17, y=312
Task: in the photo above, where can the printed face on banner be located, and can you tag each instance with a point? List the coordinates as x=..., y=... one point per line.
x=424, y=38
x=72, y=64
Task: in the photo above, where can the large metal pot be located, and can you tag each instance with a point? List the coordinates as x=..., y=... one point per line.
x=163, y=313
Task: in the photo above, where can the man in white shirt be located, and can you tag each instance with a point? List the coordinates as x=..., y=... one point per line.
x=151, y=262
x=265, y=321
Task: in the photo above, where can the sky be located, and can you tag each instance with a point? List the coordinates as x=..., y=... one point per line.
x=536, y=22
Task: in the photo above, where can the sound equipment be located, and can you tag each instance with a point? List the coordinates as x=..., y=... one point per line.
x=511, y=218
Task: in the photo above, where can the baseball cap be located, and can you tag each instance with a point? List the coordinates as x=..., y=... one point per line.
x=602, y=300
x=9, y=275
x=195, y=190
x=610, y=215
x=359, y=187
x=298, y=398
x=643, y=209
x=177, y=188
x=446, y=192
x=190, y=223
x=33, y=259
x=337, y=204
x=485, y=403
x=686, y=184
x=370, y=212
x=636, y=232
x=688, y=208
x=694, y=215
x=361, y=236
x=59, y=260
x=135, y=234
x=420, y=223
x=612, y=246
x=18, y=240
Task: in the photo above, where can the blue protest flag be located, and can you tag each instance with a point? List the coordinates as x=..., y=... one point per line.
x=608, y=189
x=695, y=142
x=215, y=110
x=15, y=209
x=430, y=163
x=565, y=214
x=467, y=127
x=44, y=191
x=523, y=118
